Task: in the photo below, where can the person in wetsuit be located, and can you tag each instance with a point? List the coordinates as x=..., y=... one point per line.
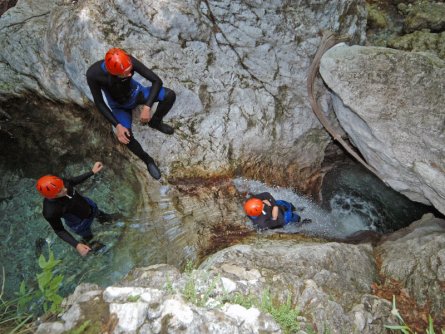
x=114, y=77
x=62, y=200
x=267, y=213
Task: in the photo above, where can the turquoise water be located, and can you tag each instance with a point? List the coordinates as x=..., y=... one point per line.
x=22, y=226
x=165, y=229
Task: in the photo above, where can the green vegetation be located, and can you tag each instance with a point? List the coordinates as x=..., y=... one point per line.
x=284, y=314
x=133, y=299
x=403, y=327
x=16, y=314
x=81, y=329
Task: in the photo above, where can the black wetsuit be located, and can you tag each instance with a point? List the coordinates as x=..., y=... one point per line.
x=73, y=203
x=119, y=88
x=265, y=221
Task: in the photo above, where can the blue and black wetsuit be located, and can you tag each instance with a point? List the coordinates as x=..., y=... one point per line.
x=286, y=213
x=265, y=221
x=77, y=211
x=124, y=94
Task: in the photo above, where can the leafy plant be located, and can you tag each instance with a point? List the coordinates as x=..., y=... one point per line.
x=403, y=327
x=15, y=314
x=81, y=329
x=284, y=314
x=49, y=284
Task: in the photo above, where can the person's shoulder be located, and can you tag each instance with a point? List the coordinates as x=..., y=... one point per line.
x=94, y=69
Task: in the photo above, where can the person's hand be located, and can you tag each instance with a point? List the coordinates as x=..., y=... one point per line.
x=97, y=167
x=275, y=213
x=267, y=202
x=145, y=114
x=82, y=249
x=123, y=134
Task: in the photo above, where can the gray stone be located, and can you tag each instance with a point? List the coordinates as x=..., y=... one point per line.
x=83, y=293
x=131, y=316
x=239, y=68
x=50, y=328
x=390, y=103
x=419, y=267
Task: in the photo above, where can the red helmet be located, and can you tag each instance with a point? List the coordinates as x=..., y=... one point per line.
x=117, y=61
x=49, y=186
x=253, y=207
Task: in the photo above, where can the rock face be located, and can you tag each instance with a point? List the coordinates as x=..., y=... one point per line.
x=391, y=105
x=314, y=279
x=238, y=67
x=420, y=268
x=335, y=287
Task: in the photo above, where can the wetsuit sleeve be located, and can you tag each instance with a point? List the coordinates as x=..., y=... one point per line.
x=156, y=82
x=81, y=178
x=266, y=196
x=57, y=226
x=96, y=91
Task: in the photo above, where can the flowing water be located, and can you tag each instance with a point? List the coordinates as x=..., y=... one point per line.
x=353, y=200
x=160, y=233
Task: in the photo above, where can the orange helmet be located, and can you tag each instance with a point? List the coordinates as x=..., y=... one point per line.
x=49, y=186
x=117, y=61
x=253, y=207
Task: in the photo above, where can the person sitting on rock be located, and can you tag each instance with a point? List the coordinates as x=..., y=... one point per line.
x=114, y=77
x=267, y=213
x=62, y=200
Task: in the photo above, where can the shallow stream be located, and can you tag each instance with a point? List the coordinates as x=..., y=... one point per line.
x=160, y=233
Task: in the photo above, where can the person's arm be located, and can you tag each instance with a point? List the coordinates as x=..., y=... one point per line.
x=97, y=167
x=266, y=196
x=57, y=226
x=96, y=91
x=156, y=82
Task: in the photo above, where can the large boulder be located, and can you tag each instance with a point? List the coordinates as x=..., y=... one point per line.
x=390, y=103
x=302, y=287
x=239, y=69
x=420, y=268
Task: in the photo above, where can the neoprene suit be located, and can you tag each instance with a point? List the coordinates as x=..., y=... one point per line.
x=78, y=211
x=124, y=94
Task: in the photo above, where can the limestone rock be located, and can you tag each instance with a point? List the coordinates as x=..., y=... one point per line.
x=239, y=69
x=420, y=266
x=390, y=103
x=326, y=281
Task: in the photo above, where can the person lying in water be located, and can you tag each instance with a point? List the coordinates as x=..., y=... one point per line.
x=62, y=200
x=267, y=213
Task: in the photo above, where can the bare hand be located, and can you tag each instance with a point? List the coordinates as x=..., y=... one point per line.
x=145, y=114
x=123, y=134
x=82, y=249
x=97, y=167
x=275, y=213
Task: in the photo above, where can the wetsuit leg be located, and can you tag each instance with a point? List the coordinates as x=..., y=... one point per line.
x=164, y=106
x=137, y=149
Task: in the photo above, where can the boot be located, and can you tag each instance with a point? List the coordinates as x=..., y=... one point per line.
x=162, y=127
x=103, y=217
x=153, y=169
